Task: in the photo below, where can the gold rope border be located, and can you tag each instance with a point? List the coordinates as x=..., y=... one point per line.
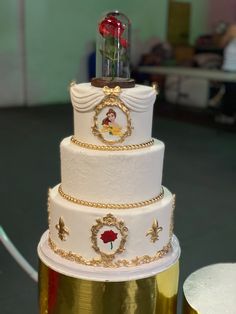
x=112, y=148
x=108, y=205
x=139, y=260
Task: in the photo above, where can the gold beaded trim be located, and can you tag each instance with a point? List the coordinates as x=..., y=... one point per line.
x=108, y=205
x=139, y=260
x=111, y=148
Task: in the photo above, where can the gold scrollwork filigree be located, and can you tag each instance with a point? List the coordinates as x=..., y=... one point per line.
x=139, y=260
x=48, y=208
x=110, y=221
x=172, y=217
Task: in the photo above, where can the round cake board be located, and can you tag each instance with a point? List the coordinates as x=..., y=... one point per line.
x=75, y=270
x=211, y=290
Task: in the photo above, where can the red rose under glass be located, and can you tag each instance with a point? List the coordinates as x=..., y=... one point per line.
x=113, y=47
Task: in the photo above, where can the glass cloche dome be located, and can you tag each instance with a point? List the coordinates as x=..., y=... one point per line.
x=113, y=48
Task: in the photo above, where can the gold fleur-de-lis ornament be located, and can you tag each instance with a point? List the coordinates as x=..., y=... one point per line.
x=154, y=231
x=63, y=231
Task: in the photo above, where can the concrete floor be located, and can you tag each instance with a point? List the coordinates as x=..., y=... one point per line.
x=200, y=167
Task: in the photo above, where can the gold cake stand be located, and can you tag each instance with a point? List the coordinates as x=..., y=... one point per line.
x=68, y=288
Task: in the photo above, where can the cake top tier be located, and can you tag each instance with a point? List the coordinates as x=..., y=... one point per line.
x=85, y=97
x=112, y=116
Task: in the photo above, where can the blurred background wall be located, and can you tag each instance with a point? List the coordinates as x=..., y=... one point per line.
x=45, y=44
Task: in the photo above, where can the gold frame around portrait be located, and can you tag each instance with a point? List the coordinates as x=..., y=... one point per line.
x=111, y=221
x=111, y=101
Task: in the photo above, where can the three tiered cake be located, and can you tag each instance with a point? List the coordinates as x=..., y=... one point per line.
x=110, y=218
x=110, y=209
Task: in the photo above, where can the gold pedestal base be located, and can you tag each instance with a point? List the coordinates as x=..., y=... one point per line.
x=60, y=294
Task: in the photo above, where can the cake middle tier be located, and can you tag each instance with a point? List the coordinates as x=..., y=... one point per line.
x=111, y=176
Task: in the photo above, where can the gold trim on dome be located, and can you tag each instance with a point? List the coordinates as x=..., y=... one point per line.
x=63, y=231
x=111, y=100
x=110, y=221
x=154, y=231
x=172, y=217
x=108, y=205
x=138, y=260
x=112, y=148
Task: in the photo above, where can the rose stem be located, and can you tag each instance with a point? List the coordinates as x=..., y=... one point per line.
x=113, y=70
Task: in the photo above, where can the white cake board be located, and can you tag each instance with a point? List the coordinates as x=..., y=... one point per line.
x=212, y=289
x=73, y=269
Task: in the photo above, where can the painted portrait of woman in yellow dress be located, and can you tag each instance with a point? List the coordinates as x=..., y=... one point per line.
x=110, y=125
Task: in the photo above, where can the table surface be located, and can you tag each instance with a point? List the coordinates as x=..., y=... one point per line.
x=211, y=74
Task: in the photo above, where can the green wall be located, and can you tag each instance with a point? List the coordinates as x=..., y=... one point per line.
x=198, y=23
x=59, y=36
x=11, y=70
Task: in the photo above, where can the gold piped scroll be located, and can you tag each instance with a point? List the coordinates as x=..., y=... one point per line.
x=60, y=294
x=48, y=207
x=172, y=217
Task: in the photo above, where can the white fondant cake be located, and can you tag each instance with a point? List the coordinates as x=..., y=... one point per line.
x=111, y=177
x=137, y=222
x=110, y=209
x=139, y=100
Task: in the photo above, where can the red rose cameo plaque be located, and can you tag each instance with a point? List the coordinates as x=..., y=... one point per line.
x=109, y=236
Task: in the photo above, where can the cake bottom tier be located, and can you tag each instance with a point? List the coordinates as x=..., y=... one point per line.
x=110, y=237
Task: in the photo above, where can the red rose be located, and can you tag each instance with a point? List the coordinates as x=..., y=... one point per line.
x=123, y=42
x=108, y=236
x=111, y=26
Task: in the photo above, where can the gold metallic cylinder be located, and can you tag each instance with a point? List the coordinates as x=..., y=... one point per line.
x=61, y=294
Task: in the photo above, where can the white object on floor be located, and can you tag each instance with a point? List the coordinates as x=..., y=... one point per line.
x=211, y=289
x=226, y=120
x=187, y=91
x=17, y=256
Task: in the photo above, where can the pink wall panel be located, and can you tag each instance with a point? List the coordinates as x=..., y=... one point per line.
x=221, y=10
